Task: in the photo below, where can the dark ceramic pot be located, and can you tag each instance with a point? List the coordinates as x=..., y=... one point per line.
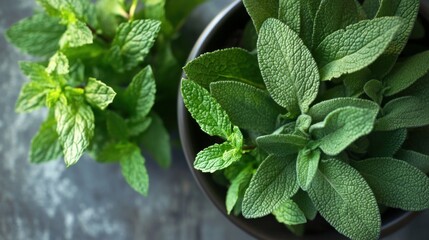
x=222, y=32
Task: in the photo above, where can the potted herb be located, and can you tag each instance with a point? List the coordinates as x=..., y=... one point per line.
x=94, y=74
x=322, y=115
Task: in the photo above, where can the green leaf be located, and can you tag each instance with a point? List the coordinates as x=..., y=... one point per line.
x=155, y=9
x=98, y=94
x=405, y=73
x=289, y=213
x=374, y=89
x=108, y=12
x=345, y=200
x=355, y=47
x=75, y=128
x=141, y=93
x=249, y=40
x=272, y=185
x=387, y=143
x=216, y=157
x=396, y=183
x=156, y=141
x=37, y=35
x=355, y=82
x=248, y=107
x=76, y=35
x=205, y=110
x=134, y=171
x=71, y=10
x=416, y=159
x=58, y=64
x=289, y=13
x=331, y=16
x=132, y=43
x=319, y=111
x=45, y=145
x=116, y=126
x=371, y=7
x=114, y=152
x=305, y=204
x=306, y=167
x=35, y=72
x=292, y=79
x=231, y=64
x=303, y=123
x=342, y=127
x=137, y=125
x=261, y=11
x=281, y=144
x=403, y=112
x=308, y=14
x=237, y=188
x=31, y=97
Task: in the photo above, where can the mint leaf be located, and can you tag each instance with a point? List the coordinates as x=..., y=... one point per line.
x=75, y=128
x=305, y=204
x=281, y=144
x=76, y=35
x=35, y=72
x=306, y=167
x=140, y=94
x=248, y=107
x=331, y=16
x=216, y=157
x=319, y=111
x=374, y=90
x=355, y=47
x=114, y=152
x=395, y=183
x=156, y=141
x=205, y=110
x=231, y=64
x=289, y=13
x=405, y=73
x=71, y=10
x=345, y=200
x=237, y=188
x=132, y=43
x=260, y=11
x=292, y=79
x=31, y=97
x=116, y=126
x=342, y=127
x=272, y=185
x=416, y=159
x=155, y=9
x=42, y=34
x=45, y=145
x=387, y=143
x=403, y=112
x=136, y=126
x=98, y=94
x=58, y=64
x=134, y=171
x=289, y=213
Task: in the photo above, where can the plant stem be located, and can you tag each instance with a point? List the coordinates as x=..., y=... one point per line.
x=133, y=9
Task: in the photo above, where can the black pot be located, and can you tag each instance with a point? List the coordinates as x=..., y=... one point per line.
x=222, y=32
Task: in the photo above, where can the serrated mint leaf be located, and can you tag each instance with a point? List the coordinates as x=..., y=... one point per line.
x=116, y=126
x=132, y=43
x=319, y=111
x=45, y=145
x=405, y=73
x=75, y=128
x=231, y=64
x=306, y=167
x=342, y=127
x=289, y=13
x=138, y=125
x=248, y=107
x=71, y=10
x=272, y=185
x=331, y=16
x=140, y=93
x=355, y=47
x=260, y=11
x=216, y=157
x=37, y=35
x=395, y=183
x=237, y=188
x=387, y=143
x=156, y=141
x=291, y=78
x=305, y=204
x=374, y=90
x=205, y=110
x=155, y=9
x=403, y=112
x=281, y=144
x=289, y=213
x=345, y=200
x=98, y=94
x=308, y=13
x=416, y=159
x=58, y=64
x=134, y=171
x=31, y=97
x=76, y=35
x=114, y=152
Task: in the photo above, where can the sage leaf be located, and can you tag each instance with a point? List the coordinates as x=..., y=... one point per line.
x=374, y=90
x=134, y=171
x=272, y=185
x=98, y=93
x=371, y=7
x=216, y=157
x=306, y=167
x=289, y=213
x=397, y=185
x=248, y=107
x=355, y=82
x=341, y=53
x=292, y=79
x=386, y=143
x=305, y=204
x=45, y=145
x=289, y=13
x=308, y=12
x=416, y=159
x=237, y=188
x=345, y=200
x=260, y=11
x=281, y=144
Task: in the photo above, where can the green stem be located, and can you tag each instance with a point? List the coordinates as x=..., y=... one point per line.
x=133, y=9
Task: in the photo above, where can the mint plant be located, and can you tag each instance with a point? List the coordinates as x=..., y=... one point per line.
x=94, y=74
x=319, y=115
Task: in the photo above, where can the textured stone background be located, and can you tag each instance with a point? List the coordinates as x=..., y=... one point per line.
x=92, y=201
